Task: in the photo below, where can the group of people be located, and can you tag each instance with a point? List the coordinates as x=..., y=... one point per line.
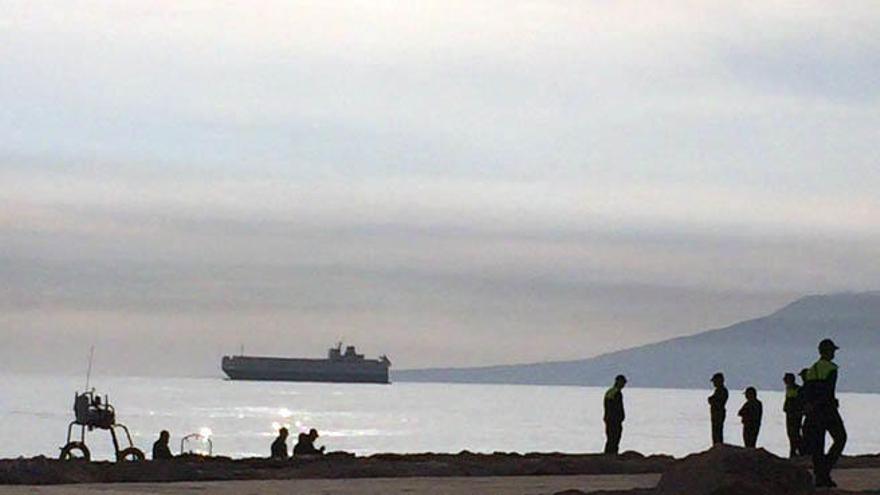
x=811, y=412
x=305, y=445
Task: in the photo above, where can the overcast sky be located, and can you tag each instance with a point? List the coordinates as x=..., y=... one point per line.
x=450, y=183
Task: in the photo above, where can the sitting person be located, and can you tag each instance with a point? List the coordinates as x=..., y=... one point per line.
x=161, y=450
x=305, y=444
x=279, y=446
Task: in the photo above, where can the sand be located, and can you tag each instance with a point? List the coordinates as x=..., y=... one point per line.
x=512, y=485
x=854, y=480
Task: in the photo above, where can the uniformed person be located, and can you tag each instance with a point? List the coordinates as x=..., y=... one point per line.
x=794, y=415
x=718, y=408
x=614, y=415
x=822, y=415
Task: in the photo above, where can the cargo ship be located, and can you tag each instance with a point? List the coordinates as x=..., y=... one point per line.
x=339, y=367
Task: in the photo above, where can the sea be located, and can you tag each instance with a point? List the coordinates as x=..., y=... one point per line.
x=240, y=419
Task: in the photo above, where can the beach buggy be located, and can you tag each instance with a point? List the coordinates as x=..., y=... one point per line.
x=90, y=412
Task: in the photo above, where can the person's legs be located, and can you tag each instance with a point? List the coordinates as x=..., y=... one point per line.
x=838, y=439
x=750, y=435
x=717, y=430
x=793, y=429
x=613, y=432
x=817, y=449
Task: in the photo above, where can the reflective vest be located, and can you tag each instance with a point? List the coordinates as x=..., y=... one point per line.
x=821, y=370
x=791, y=392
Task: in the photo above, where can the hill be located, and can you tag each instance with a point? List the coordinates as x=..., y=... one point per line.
x=754, y=352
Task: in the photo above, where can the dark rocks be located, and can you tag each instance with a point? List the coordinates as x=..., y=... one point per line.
x=728, y=470
x=331, y=466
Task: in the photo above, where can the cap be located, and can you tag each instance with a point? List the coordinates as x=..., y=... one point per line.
x=717, y=376
x=788, y=376
x=750, y=390
x=619, y=378
x=828, y=344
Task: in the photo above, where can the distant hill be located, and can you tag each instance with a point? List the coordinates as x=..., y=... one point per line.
x=755, y=352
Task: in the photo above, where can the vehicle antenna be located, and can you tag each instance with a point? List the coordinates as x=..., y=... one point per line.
x=241, y=350
x=89, y=372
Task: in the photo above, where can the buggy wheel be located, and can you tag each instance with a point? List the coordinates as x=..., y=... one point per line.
x=132, y=454
x=75, y=451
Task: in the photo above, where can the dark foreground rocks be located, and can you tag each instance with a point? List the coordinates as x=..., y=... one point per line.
x=728, y=470
x=43, y=471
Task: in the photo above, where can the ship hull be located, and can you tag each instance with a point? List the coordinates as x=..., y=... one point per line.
x=305, y=370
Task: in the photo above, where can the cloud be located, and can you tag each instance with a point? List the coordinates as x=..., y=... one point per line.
x=597, y=174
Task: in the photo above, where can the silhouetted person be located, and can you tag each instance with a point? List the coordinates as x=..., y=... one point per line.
x=794, y=415
x=279, y=446
x=718, y=408
x=160, y=447
x=305, y=444
x=751, y=413
x=807, y=432
x=822, y=415
x=614, y=415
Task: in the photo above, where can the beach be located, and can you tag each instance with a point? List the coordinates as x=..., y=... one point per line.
x=866, y=480
x=428, y=474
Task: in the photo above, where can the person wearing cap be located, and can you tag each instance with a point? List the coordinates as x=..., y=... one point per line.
x=279, y=446
x=718, y=408
x=614, y=415
x=822, y=415
x=751, y=413
x=794, y=414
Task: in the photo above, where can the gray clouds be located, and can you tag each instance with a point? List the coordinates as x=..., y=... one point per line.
x=443, y=179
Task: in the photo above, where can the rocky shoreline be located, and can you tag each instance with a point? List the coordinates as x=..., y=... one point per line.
x=44, y=471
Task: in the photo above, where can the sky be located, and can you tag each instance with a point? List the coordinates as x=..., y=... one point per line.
x=449, y=183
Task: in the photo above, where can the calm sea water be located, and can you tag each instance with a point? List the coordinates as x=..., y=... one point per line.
x=243, y=417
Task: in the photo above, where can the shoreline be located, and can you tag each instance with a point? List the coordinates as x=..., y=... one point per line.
x=338, y=465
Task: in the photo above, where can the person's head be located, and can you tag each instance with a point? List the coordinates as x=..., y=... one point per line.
x=718, y=379
x=164, y=436
x=283, y=433
x=302, y=437
x=619, y=381
x=313, y=434
x=751, y=393
x=788, y=379
x=97, y=400
x=827, y=349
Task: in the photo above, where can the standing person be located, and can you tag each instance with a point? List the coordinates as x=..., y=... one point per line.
x=806, y=430
x=751, y=413
x=614, y=415
x=718, y=408
x=794, y=415
x=279, y=446
x=822, y=415
x=160, y=447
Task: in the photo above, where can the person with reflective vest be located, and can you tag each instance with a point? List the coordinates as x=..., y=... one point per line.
x=614, y=415
x=794, y=414
x=718, y=408
x=822, y=415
